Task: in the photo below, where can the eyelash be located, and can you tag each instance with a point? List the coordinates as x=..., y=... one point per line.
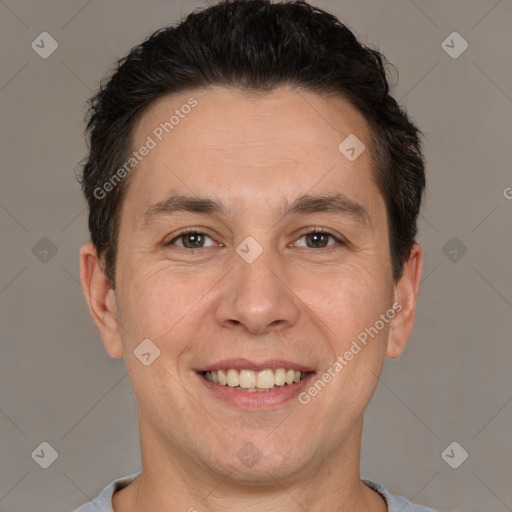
x=318, y=230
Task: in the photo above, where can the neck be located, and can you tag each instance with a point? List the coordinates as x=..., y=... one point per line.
x=174, y=480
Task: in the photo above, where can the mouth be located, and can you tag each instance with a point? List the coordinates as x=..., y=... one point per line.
x=248, y=385
x=254, y=381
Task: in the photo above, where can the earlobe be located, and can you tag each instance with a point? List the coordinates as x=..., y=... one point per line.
x=101, y=300
x=406, y=294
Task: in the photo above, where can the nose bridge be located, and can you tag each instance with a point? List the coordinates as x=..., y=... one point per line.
x=258, y=297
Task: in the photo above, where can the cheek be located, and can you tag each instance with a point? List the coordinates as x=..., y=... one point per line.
x=168, y=306
x=348, y=302
x=351, y=306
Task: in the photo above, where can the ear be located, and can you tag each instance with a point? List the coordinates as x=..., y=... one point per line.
x=406, y=294
x=101, y=300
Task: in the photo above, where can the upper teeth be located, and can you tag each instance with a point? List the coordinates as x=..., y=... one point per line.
x=248, y=379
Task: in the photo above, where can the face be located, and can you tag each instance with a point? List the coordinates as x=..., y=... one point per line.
x=249, y=243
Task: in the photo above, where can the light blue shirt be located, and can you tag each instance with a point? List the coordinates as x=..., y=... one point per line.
x=103, y=503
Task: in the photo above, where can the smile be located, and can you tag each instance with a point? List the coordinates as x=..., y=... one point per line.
x=250, y=380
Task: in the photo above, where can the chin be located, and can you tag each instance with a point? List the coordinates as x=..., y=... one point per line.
x=254, y=466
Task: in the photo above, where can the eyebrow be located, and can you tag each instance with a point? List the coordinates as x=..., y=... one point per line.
x=337, y=203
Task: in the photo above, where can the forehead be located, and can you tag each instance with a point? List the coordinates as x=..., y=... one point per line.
x=228, y=118
x=250, y=146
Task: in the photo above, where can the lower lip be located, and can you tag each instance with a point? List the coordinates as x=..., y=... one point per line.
x=256, y=399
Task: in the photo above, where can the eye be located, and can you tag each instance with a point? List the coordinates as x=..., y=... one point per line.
x=191, y=240
x=314, y=239
x=319, y=239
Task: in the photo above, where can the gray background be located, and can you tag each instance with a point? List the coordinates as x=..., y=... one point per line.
x=454, y=382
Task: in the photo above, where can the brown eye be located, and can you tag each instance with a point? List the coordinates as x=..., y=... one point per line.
x=190, y=240
x=318, y=239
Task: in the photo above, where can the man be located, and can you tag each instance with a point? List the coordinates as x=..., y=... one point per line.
x=253, y=194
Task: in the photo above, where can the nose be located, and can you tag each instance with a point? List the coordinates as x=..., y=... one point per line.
x=257, y=297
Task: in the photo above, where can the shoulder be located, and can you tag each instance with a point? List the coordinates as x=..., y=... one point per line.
x=103, y=501
x=396, y=503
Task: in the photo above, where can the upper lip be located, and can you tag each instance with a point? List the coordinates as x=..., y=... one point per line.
x=246, y=364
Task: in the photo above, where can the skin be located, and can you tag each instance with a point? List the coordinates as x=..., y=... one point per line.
x=295, y=301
